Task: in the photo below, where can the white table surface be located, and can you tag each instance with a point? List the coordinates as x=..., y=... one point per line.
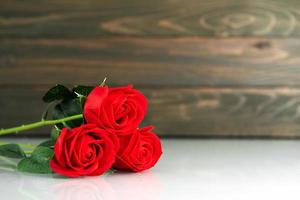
x=189, y=169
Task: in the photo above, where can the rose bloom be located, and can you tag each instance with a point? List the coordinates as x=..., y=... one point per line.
x=120, y=109
x=138, y=151
x=84, y=151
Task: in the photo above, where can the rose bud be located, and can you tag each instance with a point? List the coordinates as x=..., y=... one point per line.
x=84, y=151
x=138, y=151
x=120, y=109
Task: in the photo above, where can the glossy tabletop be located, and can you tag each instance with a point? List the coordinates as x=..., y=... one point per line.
x=189, y=169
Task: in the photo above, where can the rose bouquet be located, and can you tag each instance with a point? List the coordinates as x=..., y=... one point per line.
x=94, y=129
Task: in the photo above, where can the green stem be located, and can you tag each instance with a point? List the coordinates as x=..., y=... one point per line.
x=27, y=146
x=28, y=152
x=38, y=124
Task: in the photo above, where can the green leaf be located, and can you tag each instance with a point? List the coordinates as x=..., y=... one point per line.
x=42, y=153
x=38, y=162
x=58, y=92
x=54, y=134
x=68, y=108
x=12, y=151
x=31, y=166
x=83, y=90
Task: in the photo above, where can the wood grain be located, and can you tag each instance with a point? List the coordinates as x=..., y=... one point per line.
x=184, y=61
x=203, y=78
x=63, y=18
x=200, y=111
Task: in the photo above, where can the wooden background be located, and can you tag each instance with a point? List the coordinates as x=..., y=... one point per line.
x=218, y=68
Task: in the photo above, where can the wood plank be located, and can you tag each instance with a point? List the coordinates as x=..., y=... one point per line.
x=78, y=18
x=200, y=111
x=183, y=61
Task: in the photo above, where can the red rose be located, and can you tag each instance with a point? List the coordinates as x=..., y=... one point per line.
x=139, y=151
x=120, y=109
x=85, y=150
